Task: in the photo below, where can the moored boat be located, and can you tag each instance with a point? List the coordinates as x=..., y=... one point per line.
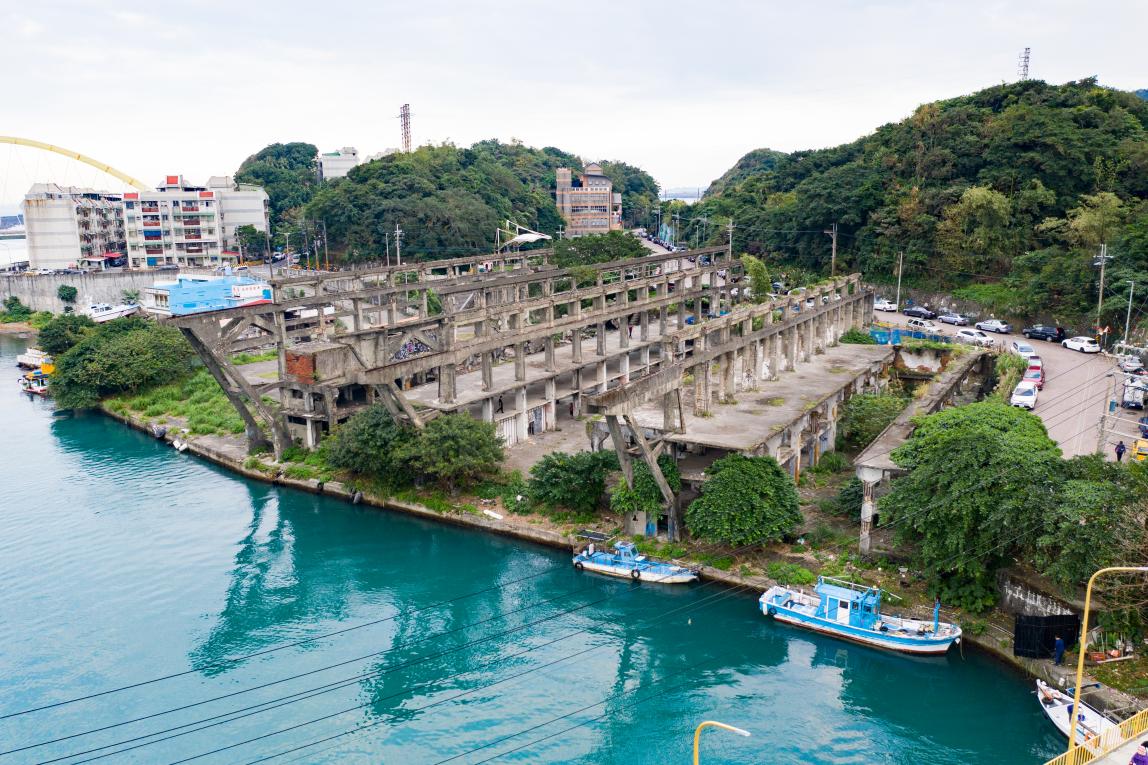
x=34, y=382
x=32, y=358
x=1057, y=706
x=626, y=563
x=101, y=312
x=853, y=612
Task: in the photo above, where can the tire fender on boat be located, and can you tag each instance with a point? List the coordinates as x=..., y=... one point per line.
x=635, y=574
x=771, y=610
x=578, y=565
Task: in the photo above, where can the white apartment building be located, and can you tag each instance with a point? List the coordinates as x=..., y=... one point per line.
x=240, y=204
x=66, y=225
x=337, y=164
x=176, y=224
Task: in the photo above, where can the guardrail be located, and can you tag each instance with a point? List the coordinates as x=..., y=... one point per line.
x=1110, y=740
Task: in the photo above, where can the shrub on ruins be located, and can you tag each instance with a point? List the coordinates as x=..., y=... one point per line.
x=370, y=444
x=865, y=415
x=124, y=355
x=855, y=336
x=62, y=332
x=573, y=481
x=744, y=501
x=644, y=495
x=454, y=451
x=981, y=479
x=598, y=248
x=14, y=311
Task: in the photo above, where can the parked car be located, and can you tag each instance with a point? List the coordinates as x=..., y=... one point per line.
x=167, y=267
x=974, y=337
x=1035, y=362
x=1021, y=348
x=1143, y=423
x=1130, y=363
x=1082, y=344
x=923, y=325
x=884, y=305
x=1044, y=332
x=1024, y=395
x=994, y=325
x=1035, y=375
x=1140, y=450
x=955, y=319
x=1133, y=397
x=919, y=312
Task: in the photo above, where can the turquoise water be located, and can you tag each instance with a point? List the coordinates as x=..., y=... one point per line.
x=122, y=560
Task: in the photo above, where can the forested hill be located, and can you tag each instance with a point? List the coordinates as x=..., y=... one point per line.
x=1012, y=188
x=449, y=200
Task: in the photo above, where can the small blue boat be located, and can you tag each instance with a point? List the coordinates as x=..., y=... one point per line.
x=625, y=562
x=853, y=612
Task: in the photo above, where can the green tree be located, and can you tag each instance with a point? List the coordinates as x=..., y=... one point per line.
x=977, y=232
x=574, y=481
x=865, y=415
x=124, y=355
x=370, y=443
x=287, y=172
x=66, y=293
x=760, y=283
x=1097, y=220
x=252, y=240
x=63, y=332
x=745, y=500
x=599, y=248
x=455, y=450
x=644, y=495
x=980, y=478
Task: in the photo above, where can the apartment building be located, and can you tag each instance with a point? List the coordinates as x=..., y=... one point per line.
x=240, y=204
x=336, y=164
x=177, y=224
x=66, y=225
x=587, y=204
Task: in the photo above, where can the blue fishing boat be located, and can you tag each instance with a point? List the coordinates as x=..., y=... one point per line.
x=853, y=612
x=625, y=562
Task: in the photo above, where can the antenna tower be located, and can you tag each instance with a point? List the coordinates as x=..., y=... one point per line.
x=405, y=119
x=1022, y=64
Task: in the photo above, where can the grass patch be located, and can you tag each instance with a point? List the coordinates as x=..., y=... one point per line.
x=240, y=359
x=790, y=573
x=300, y=472
x=198, y=399
x=1130, y=676
x=720, y=562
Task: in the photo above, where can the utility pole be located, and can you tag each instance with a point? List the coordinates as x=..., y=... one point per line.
x=833, y=257
x=387, y=238
x=326, y=254
x=1128, y=315
x=287, y=248
x=268, y=254
x=1101, y=260
x=398, y=244
x=900, y=268
x=729, y=229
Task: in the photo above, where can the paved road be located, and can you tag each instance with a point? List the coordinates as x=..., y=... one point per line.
x=1074, y=396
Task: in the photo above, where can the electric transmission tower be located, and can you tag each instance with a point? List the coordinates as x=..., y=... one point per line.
x=1022, y=64
x=405, y=120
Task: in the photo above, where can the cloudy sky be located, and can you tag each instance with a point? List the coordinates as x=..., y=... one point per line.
x=681, y=89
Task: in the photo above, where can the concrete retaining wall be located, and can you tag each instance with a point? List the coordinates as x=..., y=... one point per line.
x=39, y=292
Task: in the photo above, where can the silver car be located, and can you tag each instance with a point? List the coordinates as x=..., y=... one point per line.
x=994, y=325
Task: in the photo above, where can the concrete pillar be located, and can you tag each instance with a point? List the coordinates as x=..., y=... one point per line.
x=600, y=371
x=520, y=361
x=681, y=309
x=870, y=478
x=488, y=410
x=751, y=364
x=774, y=355
x=521, y=418
x=624, y=332
x=600, y=337
x=487, y=371
x=549, y=342
x=669, y=412
x=446, y=383
x=701, y=389
x=663, y=316
x=644, y=356
x=790, y=342
x=576, y=345
x=552, y=391
x=644, y=319
x=624, y=368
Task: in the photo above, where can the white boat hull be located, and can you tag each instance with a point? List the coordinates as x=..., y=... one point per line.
x=116, y=312
x=644, y=576
x=1089, y=722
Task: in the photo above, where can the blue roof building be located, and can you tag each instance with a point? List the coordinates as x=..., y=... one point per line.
x=196, y=294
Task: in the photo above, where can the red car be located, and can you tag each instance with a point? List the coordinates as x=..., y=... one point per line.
x=1035, y=375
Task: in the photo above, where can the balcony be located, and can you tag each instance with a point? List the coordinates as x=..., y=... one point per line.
x=152, y=209
x=192, y=235
x=191, y=221
x=151, y=224
x=189, y=208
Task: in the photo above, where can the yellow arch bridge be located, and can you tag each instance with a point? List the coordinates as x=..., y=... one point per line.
x=78, y=157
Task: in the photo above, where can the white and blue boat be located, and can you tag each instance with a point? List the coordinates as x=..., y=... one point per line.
x=626, y=563
x=853, y=612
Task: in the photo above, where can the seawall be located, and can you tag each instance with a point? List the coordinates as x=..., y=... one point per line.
x=39, y=292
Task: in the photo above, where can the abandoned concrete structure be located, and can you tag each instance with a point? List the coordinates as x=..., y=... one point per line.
x=518, y=342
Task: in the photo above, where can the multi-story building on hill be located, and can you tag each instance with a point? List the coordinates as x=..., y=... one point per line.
x=177, y=224
x=66, y=225
x=588, y=204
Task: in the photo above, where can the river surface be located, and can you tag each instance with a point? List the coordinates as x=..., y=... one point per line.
x=122, y=561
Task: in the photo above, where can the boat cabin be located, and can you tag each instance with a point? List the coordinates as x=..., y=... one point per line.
x=846, y=603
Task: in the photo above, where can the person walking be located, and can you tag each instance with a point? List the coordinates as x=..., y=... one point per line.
x=1141, y=755
x=1058, y=651
x=500, y=404
x=1120, y=449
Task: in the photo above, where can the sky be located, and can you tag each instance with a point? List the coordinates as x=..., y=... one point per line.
x=681, y=89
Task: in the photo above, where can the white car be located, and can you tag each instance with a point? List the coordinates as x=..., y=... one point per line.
x=1024, y=395
x=994, y=325
x=1022, y=349
x=922, y=325
x=884, y=305
x=1082, y=344
x=1130, y=363
x=974, y=337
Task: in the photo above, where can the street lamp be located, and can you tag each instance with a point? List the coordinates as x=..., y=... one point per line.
x=723, y=726
x=1080, y=647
